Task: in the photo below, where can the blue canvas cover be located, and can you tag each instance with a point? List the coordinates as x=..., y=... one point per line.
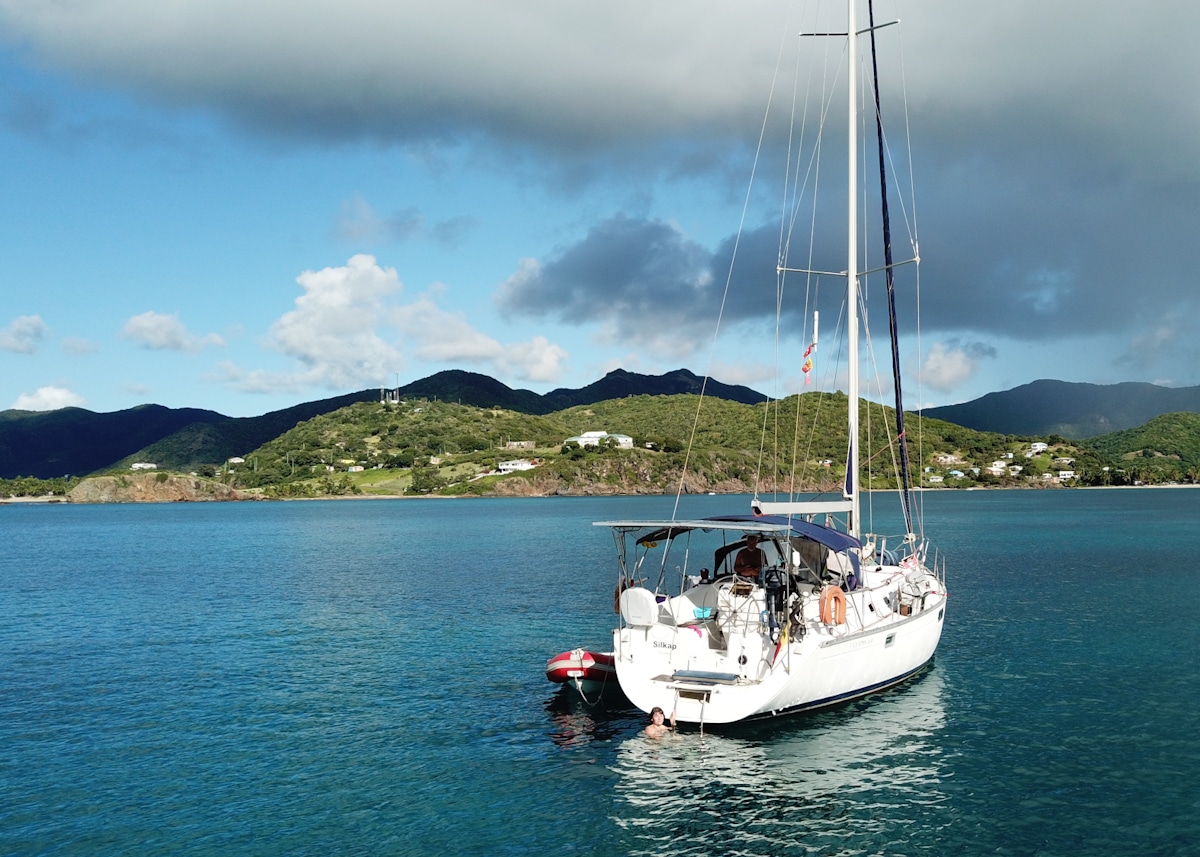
x=833, y=539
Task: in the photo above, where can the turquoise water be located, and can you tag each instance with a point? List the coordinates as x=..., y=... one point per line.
x=367, y=678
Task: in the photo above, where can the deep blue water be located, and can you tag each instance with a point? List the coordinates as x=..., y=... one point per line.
x=367, y=678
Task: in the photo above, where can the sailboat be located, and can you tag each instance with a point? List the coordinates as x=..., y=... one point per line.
x=792, y=605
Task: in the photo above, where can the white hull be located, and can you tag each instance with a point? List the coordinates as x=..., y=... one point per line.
x=727, y=668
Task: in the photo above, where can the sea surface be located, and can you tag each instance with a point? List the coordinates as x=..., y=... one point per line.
x=367, y=677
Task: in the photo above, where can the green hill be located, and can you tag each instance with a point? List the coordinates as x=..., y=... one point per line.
x=421, y=446
x=77, y=441
x=1165, y=449
x=46, y=444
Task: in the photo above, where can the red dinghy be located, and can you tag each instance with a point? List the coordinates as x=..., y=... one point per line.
x=588, y=672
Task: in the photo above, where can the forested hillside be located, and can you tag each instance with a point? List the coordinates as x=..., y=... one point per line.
x=421, y=447
x=418, y=446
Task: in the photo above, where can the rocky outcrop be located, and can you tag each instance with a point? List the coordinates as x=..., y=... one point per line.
x=152, y=488
x=621, y=475
x=530, y=484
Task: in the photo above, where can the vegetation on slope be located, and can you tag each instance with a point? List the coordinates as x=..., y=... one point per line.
x=29, y=486
x=426, y=447
x=1166, y=449
x=321, y=455
x=423, y=447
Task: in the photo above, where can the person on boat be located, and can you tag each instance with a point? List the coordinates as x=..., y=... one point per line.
x=750, y=559
x=656, y=728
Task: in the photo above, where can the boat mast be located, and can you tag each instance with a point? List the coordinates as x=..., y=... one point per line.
x=852, y=478
x=890, y=279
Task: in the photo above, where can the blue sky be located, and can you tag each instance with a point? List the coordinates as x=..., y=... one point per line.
x=240, y=209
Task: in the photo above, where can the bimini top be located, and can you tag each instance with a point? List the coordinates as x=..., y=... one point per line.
x=777, y=525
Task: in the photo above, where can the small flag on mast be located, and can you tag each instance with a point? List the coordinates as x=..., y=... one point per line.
x=806, y=367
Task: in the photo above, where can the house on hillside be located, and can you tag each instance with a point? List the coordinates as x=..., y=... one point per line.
x=516, y=465
x=595, y=438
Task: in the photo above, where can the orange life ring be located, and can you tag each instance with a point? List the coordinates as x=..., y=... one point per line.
x=833, y=606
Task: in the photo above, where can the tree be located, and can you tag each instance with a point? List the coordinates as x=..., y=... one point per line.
x=425, y=480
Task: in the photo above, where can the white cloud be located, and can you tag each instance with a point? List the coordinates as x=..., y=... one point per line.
x=331, y=332
x=538, y=360
x=259, y=380
x=951, y=364
x=79, y=346
x=446, y=337
x=48, y=399
x=751, y=375
x=358, y=223
x=334, y=335
x=442, y=336
x=158, y=332
x=1157, y=345
x=23, y=334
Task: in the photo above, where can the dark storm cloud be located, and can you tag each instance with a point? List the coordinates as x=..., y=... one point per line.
x=642, y=281
x=553, y=75
x=1059, y=194
x=1035, y=238
x=641, y=277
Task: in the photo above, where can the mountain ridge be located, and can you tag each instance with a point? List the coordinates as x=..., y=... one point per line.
x=77, y=442
x=1069, y=409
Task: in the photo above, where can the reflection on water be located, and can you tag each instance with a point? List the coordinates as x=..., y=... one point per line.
x=577, y=722
x=843, y=781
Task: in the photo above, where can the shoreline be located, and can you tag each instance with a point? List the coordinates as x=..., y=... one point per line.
x=65, y=501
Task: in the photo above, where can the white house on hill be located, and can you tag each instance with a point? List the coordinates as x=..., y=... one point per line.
x=595, y=438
